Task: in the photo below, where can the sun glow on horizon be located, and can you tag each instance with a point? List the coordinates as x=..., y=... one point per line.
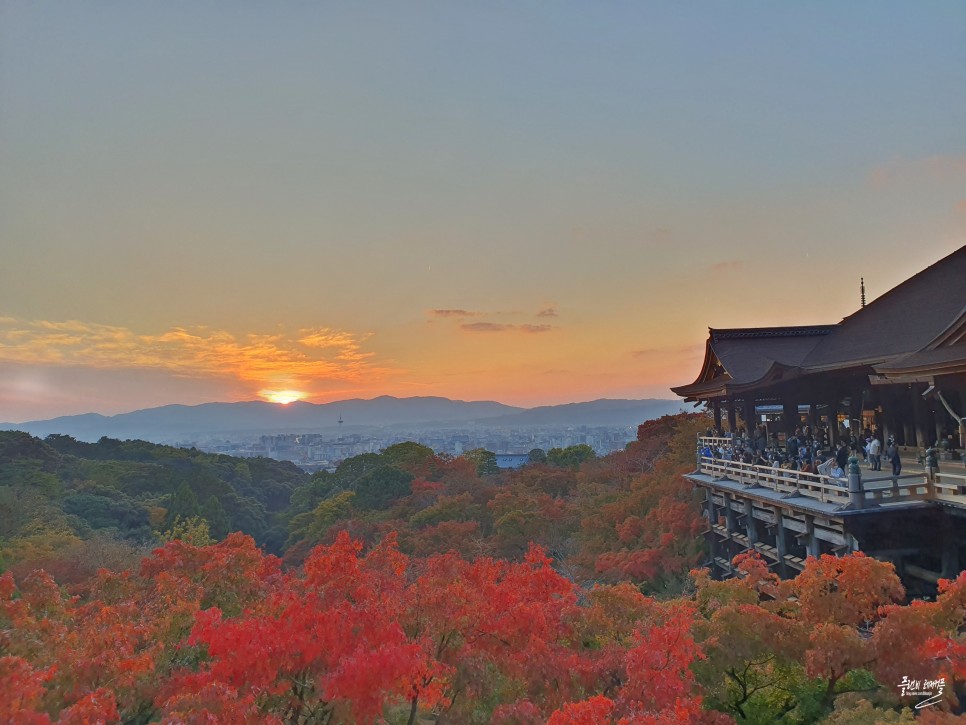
x=282, y=397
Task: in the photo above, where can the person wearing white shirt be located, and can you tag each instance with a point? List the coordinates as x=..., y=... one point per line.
x=875, y=457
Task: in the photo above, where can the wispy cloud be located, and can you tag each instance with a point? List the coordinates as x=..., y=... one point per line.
x=938, y=168
x=500, y=327
x=729, y=265
x=453, y=313
x=302, y=360
x=548, y=312
x=485, y=327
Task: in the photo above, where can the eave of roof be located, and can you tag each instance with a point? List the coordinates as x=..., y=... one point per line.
x=922, y=310
x=939, y=361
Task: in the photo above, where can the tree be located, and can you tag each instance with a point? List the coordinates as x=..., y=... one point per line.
x=571, y=456
x=214, y=513
x=182, y=504
x=381, y=487
x=409, y=456
x=484, y=460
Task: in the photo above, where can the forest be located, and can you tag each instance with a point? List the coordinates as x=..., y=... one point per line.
x=143, y=583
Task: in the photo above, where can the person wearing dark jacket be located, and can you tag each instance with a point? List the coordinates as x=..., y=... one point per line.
x=892, y=453
x=842, y=456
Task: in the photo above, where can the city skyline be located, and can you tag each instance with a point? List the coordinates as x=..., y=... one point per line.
x=534, y=205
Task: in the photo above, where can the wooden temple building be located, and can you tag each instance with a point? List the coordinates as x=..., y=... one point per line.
x=896, y=367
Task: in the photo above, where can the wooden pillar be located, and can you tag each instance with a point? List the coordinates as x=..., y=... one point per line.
x=950, y=555
x=811, y=542
x=907, y=418
x=919, y=418
x=732, y=416
x=729, y=514
x=855, y=413
x=716, y=409
x=832, y=416
x=750, y=529
x=888, y=420
x=748, y=413
x=712, y=520
x=812, y=416
x=789, y=415
x=940, y=422
x=780, y=541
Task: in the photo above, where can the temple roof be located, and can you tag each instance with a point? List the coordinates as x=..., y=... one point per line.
x=740, y=357
x=942, y=360
x=916, y=328
x=904, y=320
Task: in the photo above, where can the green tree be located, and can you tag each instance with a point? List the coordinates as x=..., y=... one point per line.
x=408, y=455
x=537, y=455
x=214, y=513
x=379, y=488
x=485, y=460
x=182, y=504
x=571, y=456
x=193, y=531
x=312, y=525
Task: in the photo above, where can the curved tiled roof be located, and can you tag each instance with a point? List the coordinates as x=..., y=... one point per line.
x=747, y=355
x=919, y=325
x=903, y=320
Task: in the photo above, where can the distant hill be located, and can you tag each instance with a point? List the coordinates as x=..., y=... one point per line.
x=184, y=422
x=595, y=412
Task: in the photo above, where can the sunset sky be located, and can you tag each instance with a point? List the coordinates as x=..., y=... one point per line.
x=530, y=202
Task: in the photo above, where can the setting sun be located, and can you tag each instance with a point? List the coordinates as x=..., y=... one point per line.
x=282, y=397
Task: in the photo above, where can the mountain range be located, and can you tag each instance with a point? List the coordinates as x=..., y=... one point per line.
x=171, y=423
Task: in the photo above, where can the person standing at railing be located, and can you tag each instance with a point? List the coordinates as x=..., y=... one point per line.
x=875, y=457
x=837, y=472
x=892, y=453
x=842, y=456
x=824, y=468
x=932, y=464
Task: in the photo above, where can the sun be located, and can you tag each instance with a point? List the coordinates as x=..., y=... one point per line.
x=282, y=397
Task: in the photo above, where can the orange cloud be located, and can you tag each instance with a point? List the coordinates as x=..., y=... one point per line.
x=548, y=312
x=936, y=168
x=485, y=327
x=258, y=360
x=453, y=313
x=727, y=266
x=500, y=327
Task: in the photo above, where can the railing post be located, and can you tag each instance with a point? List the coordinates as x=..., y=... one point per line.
x=856, y=493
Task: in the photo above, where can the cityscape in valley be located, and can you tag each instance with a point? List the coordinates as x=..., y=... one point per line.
x=499, y=363
x=318, y=437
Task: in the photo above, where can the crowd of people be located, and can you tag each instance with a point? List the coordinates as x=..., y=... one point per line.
x=807, y=449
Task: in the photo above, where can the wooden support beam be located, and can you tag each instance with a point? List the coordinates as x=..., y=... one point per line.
x=750, y=522
x=811, y=541
x=950, y=556
x=780, y=542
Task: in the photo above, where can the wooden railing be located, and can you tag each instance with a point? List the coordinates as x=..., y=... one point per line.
x=876, y=487
x=820, y=487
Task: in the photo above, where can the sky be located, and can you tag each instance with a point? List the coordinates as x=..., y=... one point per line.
x=530, y=202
